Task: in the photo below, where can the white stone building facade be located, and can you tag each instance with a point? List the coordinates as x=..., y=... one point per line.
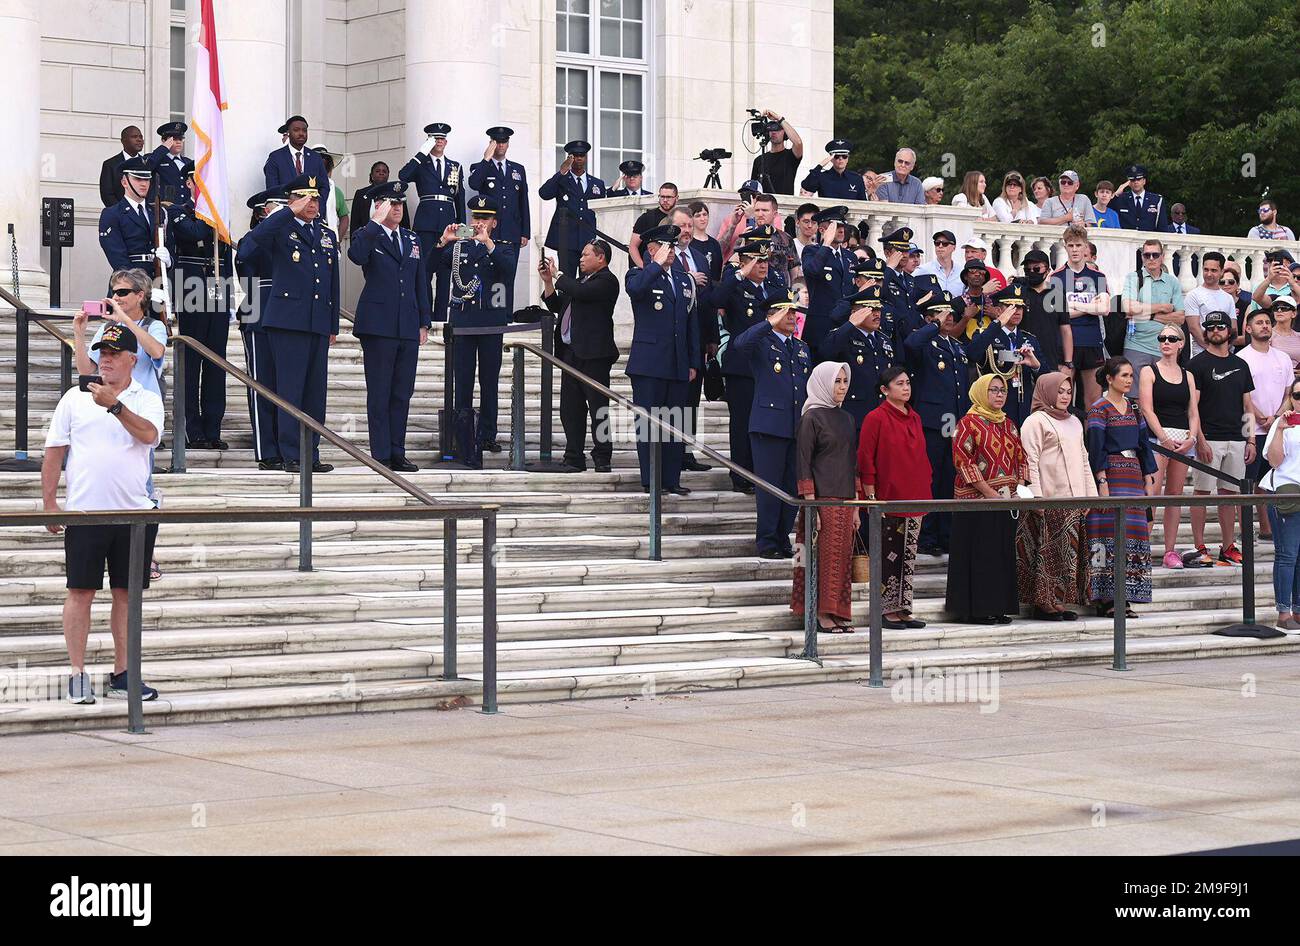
x=657, y=80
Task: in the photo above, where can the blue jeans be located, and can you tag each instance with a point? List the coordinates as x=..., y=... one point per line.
x=1286, y=552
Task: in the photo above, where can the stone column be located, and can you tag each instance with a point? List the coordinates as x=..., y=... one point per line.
x=251, y=43
x=20, y=149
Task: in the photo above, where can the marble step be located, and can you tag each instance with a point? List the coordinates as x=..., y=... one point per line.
x=645, y=680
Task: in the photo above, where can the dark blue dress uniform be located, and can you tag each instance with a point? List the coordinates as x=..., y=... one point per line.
x=301, y=315
x=781, y=367
x=1145, y=212
x=254, y=266
x=940, y=371
x=279, y=168
x=630, y=169
x=867, y=352
x=127, y=235
x=829, y=275
x=476, y=276
x=201, y=298
x=507, y=181
x=744, y=304
x=867, y=273
x=832, y=184
x=899, y=292
x=665, y=347
x=170, y=170
x=986, y=347
x=573, y=224
x=393, y=307
x=442, y=203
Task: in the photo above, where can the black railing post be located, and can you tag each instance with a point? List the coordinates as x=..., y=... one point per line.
x=656, y=495
x=65, y=368
x=490, y=612
x=21, y=343
x=447, y=417
x=518, y=424
x=875, y=596
x=548, y=381
x=810, y=622
x=449, y=553
x=134, y=600
x=178, y=406
x=1247, y=556
x=305, y=464
x=1119, y=576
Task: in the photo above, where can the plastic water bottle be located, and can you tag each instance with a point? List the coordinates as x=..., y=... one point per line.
x=1132, y=329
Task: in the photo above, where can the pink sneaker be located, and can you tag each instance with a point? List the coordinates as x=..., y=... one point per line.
x=1173, y=560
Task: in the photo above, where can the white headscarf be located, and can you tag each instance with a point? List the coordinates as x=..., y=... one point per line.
x=821, y=385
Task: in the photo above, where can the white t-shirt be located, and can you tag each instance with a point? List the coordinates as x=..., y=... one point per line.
x=1202, y=300
x=1289, y=471
x=107, y=467
x=1028, y=212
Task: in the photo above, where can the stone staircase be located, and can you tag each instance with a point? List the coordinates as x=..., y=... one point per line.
x=234, y=631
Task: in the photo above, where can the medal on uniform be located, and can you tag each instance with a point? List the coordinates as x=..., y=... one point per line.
x=296, y=256
x=659, y=305
x=828, y=277
x=860, y=359
x=777, y=367
x=749, y=311
x=942, y=366
x=492, y=184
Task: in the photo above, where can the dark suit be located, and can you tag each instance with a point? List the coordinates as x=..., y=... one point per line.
x=393, y=307
x=300, y=316
x=110, y=180
x=591, y=350
x=780, y=370
x=573, y=222
x=1173, y=228
x=665, y=347
x=279, y=170
x=254, y=266
x=1151, y=216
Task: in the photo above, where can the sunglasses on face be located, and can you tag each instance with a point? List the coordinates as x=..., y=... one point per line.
x=1295, y=395
x=1035, y=269
x=1171, y=339
x=1217, y=328
x=1152, y=255
x=1227, y=282
x=120, y=293
x=944, y=243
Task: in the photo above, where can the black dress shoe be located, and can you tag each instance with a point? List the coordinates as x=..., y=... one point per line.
x=981, y=619
x=276, y=464
x=1069, y=615
x=913, y=622
x=1041, y=615
x=1001, y=619
x=290, y=466
x=491, y=446
x=892, y=625
x=747, y=489
x=694, y=465
x=603, y=468
x=773, y=555
x=402, y=465
x=319, y=467
x=679, y=490
x=933, y=550
x=218, y=445
x=570, y=468
x=197, y=445
x=787, y=552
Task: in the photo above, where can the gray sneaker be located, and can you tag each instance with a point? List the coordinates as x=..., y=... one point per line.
x=80, y=689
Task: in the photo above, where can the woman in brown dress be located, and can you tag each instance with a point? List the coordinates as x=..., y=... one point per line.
x=825, y=470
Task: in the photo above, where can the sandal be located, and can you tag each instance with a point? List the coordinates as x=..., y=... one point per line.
x=844, y=629
x=154, y=571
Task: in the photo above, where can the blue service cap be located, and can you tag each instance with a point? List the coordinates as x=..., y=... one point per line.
x=482, y=205
x=389, y=190
x=577, y=147
x=666, y=233
x=172, y=130
x=304, y=185
x=437, y=129
x=136, y=167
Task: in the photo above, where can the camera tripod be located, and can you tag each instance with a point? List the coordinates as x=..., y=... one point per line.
x=711, y=179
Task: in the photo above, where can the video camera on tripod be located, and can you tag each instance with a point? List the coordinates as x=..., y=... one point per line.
x=758, y=125
x=715, y=156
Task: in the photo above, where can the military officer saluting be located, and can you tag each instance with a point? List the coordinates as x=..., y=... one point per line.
x=167, y=162
x=1005, y=349
x=573, y=223
x=896, y=293
x=781, y=364
x=665, y=355
x=867, y=272
x=439, y=181
x=201, y=294
x=302, y=315
x=832, y=179
x=393, y=318
x=940, y=371
x=744, y=293
x=128, y=231
x=477, y=268
x=828, y=271
x=628, y=184
x=254, y=266
x=867, y=350
x=506, y=180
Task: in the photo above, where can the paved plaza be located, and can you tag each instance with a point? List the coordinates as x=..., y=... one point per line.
x=1165, y=758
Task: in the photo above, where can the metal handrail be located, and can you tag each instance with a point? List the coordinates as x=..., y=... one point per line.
x=449, y=514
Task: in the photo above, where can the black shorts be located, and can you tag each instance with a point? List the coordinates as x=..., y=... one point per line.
x=1089, y=357
x=87, y=548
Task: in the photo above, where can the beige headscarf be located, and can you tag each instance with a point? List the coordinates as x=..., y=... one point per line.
x=821, y=385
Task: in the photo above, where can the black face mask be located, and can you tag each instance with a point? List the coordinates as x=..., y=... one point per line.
x=1035, y=279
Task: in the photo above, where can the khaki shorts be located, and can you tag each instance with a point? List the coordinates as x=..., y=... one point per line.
x=1230, y=457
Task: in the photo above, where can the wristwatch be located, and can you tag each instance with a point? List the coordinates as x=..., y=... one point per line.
x=115, y=409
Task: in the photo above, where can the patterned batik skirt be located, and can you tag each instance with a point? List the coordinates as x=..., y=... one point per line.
x=898, y=549
x=834, y=563
x=1124, y=478
x=1047, y=555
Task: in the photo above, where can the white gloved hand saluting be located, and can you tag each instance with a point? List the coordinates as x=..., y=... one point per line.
x=429, y=142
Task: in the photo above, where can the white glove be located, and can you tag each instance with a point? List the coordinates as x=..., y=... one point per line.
x=429, y=142
x=162, y=254
x=159, y=295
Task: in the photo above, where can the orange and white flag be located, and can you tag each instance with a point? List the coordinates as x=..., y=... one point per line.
x=212, y=203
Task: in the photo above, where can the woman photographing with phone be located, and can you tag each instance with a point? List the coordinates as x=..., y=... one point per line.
x=1282, y=450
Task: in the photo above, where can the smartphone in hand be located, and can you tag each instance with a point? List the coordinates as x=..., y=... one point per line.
x=85, y=380
x=94, y=308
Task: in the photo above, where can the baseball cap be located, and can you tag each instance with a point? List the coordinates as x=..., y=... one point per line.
x=944, y=235
x=1286, y=302
x=1071, y=176
x=975, y=243
x=116, y=337
x=1216, y=319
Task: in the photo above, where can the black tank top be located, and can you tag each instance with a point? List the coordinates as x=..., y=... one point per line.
x=1170, y=400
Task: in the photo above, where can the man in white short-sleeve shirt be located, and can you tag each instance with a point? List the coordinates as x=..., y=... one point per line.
x=107, y=434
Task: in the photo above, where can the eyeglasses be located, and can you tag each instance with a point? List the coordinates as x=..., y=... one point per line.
x=1036, y=269
x=1152, y=255
x=1216, y=328
x=1265, y=210
x=1295, y=395
x=944, y=243
x=1227, y=282
x=1171, y=339
x=119, y=293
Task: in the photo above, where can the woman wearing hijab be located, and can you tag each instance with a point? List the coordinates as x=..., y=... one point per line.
x=1047, y=541
x=990, y=464
x=1119, y=450
x=893, y=464
x=824, y=459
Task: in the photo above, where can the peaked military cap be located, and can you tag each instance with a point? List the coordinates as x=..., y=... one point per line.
x=900, y=239
x=172, y=130
x=438, y=129
x=500, y=133
x=665, y=233
x=836, y=214
x=482, y=205
x=838, y=146
x=1013, y=294
x=577, y=147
